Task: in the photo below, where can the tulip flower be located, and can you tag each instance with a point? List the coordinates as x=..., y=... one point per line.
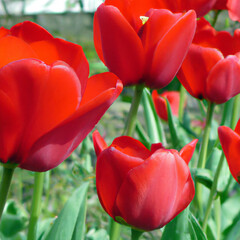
x=142, y=188
x=160, y=103
x=142, y=45
x=230, y=141
x=211, y=69
x=48, y=104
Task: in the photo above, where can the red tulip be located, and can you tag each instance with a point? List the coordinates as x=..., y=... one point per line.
x=211, y=69
x=48, y=104
x=160, y=103
x=147, y=51
x=142, y=188
x=230, y=141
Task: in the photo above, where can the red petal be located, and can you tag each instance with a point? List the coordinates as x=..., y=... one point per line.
x=4, y=32
x=30, y=32
x=98, y=142
x=12, y=49
x=122, y=48
x=44, y=96
x=230, y=142
x=196, y=67
x=223, y=81
x=140, y=200
x=171, y=51
x=234, y=9
x=131, y=147
x=112, y=167
x=188, y=150
x=52, y=50
x=55, y=146
x=160, y=105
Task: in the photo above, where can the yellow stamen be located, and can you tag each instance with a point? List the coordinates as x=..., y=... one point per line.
x=144, y=19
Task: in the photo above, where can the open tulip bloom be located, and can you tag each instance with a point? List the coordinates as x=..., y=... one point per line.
x=142, y=188
x=141, y=44
x=211, y=69
x=230, y=141
x=48, y=104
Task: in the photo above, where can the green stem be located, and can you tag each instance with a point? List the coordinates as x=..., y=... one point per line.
x=4, y=186
x=203, y=151
x=235, y=113
x=181, y=103
x=132, y=116
x=212, y=192
x=36, y=205
x=114, y=232
x=135, y=234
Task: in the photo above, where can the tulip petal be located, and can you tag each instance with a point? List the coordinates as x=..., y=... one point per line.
x=122, y=48
x=55, y=146
x=4, y=32
x=116, y=165
x=155, y=188
x=223, y=81
x=52, y=50
x=98, y=142
x=199, y=60
x=12, y=49
x=131, y=147
x=230, y=142
x=187, y=151
x=234, y=9
x=171, y=51
x=43, y=95
x=160, y=105
x=30, y=32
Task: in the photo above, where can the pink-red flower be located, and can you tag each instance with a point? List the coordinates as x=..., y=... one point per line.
x=140, y=44
x=160, y=103
x=211, y=69
x=142, y=188
x=230, y=141
x=48, y=104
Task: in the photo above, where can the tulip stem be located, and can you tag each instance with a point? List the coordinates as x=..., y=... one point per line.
x=204, y=147
x=114, y=232
x=216, y=14
x=213, y=191
x=5, y=185
x=181, y=103
x=36, y=205
x=132, y=116
x=136, y=234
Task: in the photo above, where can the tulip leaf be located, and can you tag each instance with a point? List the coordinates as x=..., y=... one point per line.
x=233, y=231
x=177, y=229
x=14, y=219
x=203, y=176
x=71, y=221
x=94, y=234
x=172, y=126
x=153, y=124
x=195, y=228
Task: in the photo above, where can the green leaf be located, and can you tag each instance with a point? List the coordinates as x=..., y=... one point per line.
x=203, y=176
x=172, y=126
x=100, y=234
x=71, y=216
x=233, y=232
x=14, y=219
x=177, y=229
x=195, y=228
x=153, y=124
